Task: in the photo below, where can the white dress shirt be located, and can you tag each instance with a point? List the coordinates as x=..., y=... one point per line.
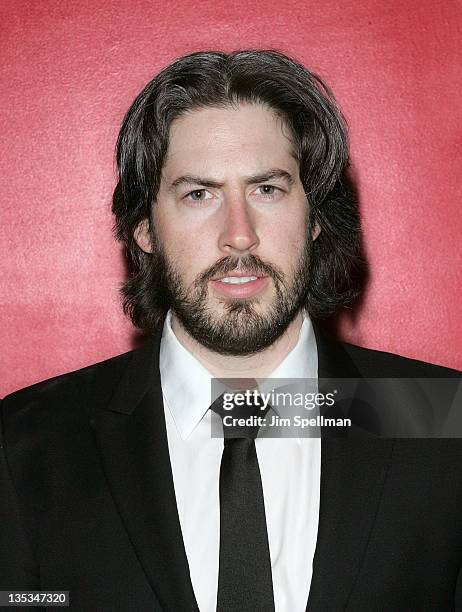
x=290, y=470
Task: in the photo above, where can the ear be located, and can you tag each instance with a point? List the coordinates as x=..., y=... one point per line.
x=316, y=231
x=142, y=236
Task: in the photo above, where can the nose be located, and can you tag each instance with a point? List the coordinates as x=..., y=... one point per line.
x=238, y=236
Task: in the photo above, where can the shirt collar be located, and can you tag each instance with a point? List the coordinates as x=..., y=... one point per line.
x=186, y=383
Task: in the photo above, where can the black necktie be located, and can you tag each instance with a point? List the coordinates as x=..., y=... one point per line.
x=244, y=580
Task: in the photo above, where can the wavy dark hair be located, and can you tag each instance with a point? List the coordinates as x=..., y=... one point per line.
x=319, y=135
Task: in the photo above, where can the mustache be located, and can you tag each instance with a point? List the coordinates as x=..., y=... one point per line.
x=250, y=263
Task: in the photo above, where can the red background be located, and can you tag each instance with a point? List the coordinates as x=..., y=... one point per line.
x=69, y=72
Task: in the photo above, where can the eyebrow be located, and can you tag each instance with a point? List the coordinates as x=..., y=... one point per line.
x=274, y=173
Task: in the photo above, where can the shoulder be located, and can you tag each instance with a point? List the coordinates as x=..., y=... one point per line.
x=380, y=364
x=403, y=397
x=73, y=382
x=92, y=385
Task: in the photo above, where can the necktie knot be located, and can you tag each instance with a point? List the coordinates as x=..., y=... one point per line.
x=242, y=414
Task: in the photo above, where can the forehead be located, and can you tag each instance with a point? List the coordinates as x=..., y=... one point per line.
x=229, y=138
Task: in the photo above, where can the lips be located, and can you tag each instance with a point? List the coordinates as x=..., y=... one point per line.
x=241, y=285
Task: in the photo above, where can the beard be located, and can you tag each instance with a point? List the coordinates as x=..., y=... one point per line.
x=242, y=328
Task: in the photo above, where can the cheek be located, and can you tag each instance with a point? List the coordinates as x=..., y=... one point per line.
x=188, y=252
x=170, y=235
x=285, y=237
x=187, y=236
x=177, y=231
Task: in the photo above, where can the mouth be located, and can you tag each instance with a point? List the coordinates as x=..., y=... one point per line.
x=237, y=280
x=240, y=285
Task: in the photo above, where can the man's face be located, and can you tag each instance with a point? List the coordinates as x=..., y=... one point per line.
x=231, y=228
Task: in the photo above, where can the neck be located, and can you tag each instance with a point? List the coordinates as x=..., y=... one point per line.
x=258, y=365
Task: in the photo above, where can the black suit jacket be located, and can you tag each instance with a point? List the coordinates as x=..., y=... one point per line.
x=88, y=503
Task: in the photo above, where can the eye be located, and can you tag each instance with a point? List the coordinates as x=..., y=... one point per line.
x=198, y=195
x=269, y=192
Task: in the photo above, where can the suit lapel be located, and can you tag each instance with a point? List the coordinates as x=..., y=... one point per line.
x=132, y=440
x=353, y=473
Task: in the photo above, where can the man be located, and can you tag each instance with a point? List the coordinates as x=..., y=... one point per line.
x=241, y=233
